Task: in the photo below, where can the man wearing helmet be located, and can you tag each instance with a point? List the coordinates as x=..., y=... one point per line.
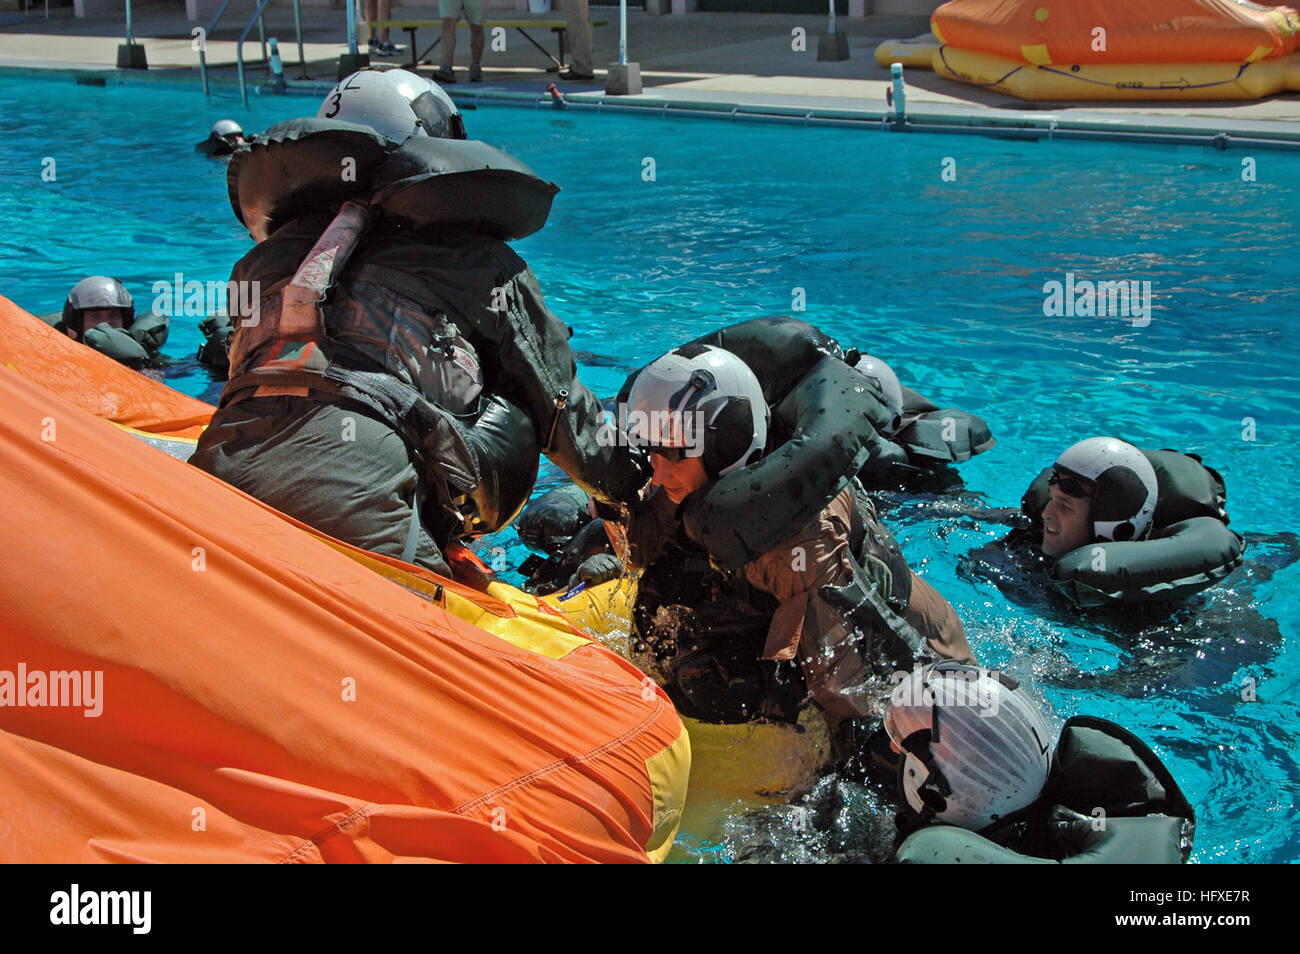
x=982, y=782
x=400, y=372
x=842, y=601
x=1114, y=525
x=100, y=313
x=223, y=139
x=1101, y=489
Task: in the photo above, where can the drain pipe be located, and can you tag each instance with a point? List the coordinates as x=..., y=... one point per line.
x=130, y=55
x=899, y=97
x=277, y=68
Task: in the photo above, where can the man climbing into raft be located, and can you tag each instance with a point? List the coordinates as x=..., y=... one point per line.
x=401, y=372
x=769, y=580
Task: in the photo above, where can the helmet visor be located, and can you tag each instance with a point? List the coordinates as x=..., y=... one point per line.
x=437, y=119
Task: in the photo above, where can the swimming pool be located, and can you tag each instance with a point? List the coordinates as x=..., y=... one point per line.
x=942, y=276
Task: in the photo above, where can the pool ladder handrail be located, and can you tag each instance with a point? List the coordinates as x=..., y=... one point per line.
x=239, y=49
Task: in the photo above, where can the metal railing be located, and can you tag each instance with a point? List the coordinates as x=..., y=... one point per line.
x=239, y=48
x=239, y=51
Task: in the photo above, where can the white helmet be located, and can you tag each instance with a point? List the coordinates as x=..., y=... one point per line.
x=885, y=378
x=975, y=748
x=1118, y=479
x=703, y=399
x=225, y=129
x=394, y=103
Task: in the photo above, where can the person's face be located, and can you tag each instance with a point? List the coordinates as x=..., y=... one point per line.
x=92, y=317
x=1065, y=523
x=678, y=478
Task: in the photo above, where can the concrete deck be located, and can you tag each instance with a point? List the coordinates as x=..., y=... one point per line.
x=737, y=59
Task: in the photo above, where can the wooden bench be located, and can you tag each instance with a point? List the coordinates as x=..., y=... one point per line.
x=558, y=27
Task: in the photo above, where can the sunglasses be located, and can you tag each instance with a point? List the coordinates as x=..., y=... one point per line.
x=1070, y=486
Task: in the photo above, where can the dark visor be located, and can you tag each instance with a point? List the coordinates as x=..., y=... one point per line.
x=1070, y=486
x=438, y=121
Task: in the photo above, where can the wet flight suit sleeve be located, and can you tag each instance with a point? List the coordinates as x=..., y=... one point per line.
x=838, y=659
x=535, y=357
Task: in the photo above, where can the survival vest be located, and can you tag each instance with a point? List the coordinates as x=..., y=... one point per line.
x=371, y=334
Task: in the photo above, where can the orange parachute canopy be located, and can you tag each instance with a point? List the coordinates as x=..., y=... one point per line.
x=1136, y=31
x=188, y=675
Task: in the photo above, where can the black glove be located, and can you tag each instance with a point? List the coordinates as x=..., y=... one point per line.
x=597, y=569
x=117, y=344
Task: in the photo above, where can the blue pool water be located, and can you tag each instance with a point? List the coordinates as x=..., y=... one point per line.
x=943, y=278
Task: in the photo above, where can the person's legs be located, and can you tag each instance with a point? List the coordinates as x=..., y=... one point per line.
x=448, y=43
x=371, y=17
x=385, y=13
x=476, y=38
x=579, y=31
x=449, y=11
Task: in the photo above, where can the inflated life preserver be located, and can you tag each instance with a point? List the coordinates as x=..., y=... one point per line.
x=1188, y=548
x=829, y=424
x=308, y=165
x=826, y=423
x=505, y=449
x=550, y=521
x=934, y=436
x=1109, y=800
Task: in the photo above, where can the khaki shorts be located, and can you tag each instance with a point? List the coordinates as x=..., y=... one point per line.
x=469, y=10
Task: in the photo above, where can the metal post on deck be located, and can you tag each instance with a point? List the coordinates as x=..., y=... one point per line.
x=622, y=32
x=833, y=45
x=623, y=78
x=352, y=60
x=130, y=55
x=899, y=96
x=297, y=25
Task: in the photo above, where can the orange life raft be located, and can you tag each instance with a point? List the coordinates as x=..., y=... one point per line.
x=187, y=675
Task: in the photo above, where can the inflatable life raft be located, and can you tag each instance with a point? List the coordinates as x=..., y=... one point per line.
x=1108, y=800
x=1094, y=50
x=189, y=676
x=1188, y=548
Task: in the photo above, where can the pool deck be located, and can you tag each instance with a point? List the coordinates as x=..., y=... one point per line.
x=710, y=61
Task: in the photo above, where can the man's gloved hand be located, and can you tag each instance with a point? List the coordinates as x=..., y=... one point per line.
x=151, y=331
x=215, y=350
x=117, y=344
x=596, y=569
